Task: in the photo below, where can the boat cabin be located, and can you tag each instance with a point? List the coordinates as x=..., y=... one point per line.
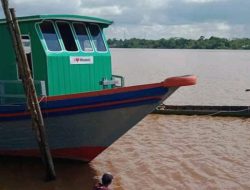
x=67, y=54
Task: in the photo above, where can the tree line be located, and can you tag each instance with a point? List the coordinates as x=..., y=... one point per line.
x=182, y=43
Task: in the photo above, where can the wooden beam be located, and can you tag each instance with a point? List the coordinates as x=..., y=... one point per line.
x=30, y=92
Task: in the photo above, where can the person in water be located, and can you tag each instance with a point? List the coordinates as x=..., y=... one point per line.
x=106, y=181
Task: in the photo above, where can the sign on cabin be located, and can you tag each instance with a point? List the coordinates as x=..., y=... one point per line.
x=81, y=60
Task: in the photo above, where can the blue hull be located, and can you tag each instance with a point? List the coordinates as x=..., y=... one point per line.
x=80, y=126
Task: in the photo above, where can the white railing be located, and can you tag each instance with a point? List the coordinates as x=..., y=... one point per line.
x=115, y=82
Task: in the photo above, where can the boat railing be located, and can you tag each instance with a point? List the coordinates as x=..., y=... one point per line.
x=11, y=91
x=120, y=80
x=116, y=82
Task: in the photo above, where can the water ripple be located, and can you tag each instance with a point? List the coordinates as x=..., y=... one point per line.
x=181, y=152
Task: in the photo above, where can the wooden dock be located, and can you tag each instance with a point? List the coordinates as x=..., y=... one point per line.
x=236, y=111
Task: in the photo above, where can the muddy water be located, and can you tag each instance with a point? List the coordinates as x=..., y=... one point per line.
x=223, y=75
x=164, y=152
x=29, y=174
x=181, y=152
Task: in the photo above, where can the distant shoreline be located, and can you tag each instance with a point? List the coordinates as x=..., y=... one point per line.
x=182, y=43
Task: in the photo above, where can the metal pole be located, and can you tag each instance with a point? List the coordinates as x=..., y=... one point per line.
x=29, y=88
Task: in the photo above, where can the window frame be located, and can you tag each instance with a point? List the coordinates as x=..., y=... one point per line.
x=103, y=38
x=89, y=36
x=78, y=45
x=38, y=28
x=73, y=33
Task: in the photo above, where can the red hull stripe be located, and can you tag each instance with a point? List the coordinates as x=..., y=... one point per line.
x=169, y=82
x=103, y=92
x=83, y=106
x=80, y=153
x=104, y=104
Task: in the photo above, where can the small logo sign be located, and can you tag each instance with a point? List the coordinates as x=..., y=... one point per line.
x=81, y=60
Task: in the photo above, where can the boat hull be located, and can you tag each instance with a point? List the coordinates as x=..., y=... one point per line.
x=80, y=126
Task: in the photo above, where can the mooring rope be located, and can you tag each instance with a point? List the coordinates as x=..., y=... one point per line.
x=42, y=98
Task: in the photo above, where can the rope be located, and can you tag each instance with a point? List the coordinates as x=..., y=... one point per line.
x=41, y=99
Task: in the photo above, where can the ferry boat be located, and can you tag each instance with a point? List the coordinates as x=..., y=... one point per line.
x=85, y=107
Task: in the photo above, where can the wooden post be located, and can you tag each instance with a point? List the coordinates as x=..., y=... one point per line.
x=29, y=88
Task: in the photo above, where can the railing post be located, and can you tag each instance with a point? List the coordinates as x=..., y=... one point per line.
x=43, y=88
x=2, y=92
x=121, y=78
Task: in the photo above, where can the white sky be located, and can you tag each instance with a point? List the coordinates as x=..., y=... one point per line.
x=153, y=19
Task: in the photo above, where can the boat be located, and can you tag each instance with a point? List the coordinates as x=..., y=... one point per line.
x=85, y=107
x=232, y=111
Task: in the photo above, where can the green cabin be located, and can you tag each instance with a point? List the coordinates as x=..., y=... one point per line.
x=67, y=54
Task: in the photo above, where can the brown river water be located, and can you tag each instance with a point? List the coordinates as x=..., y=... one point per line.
x=164, y=151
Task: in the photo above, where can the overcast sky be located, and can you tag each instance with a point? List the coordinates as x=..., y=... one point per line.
x=153, y=19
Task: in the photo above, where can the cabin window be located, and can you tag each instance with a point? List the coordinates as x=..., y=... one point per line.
x=26, y=44
x=27, y=50
x=83, y=37
x=67, y=36
x=50, y=36
x=97, y=37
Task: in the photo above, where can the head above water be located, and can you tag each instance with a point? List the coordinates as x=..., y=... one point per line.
x=107, y=179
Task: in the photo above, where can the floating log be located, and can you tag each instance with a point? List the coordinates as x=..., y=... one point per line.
x=237, y=111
